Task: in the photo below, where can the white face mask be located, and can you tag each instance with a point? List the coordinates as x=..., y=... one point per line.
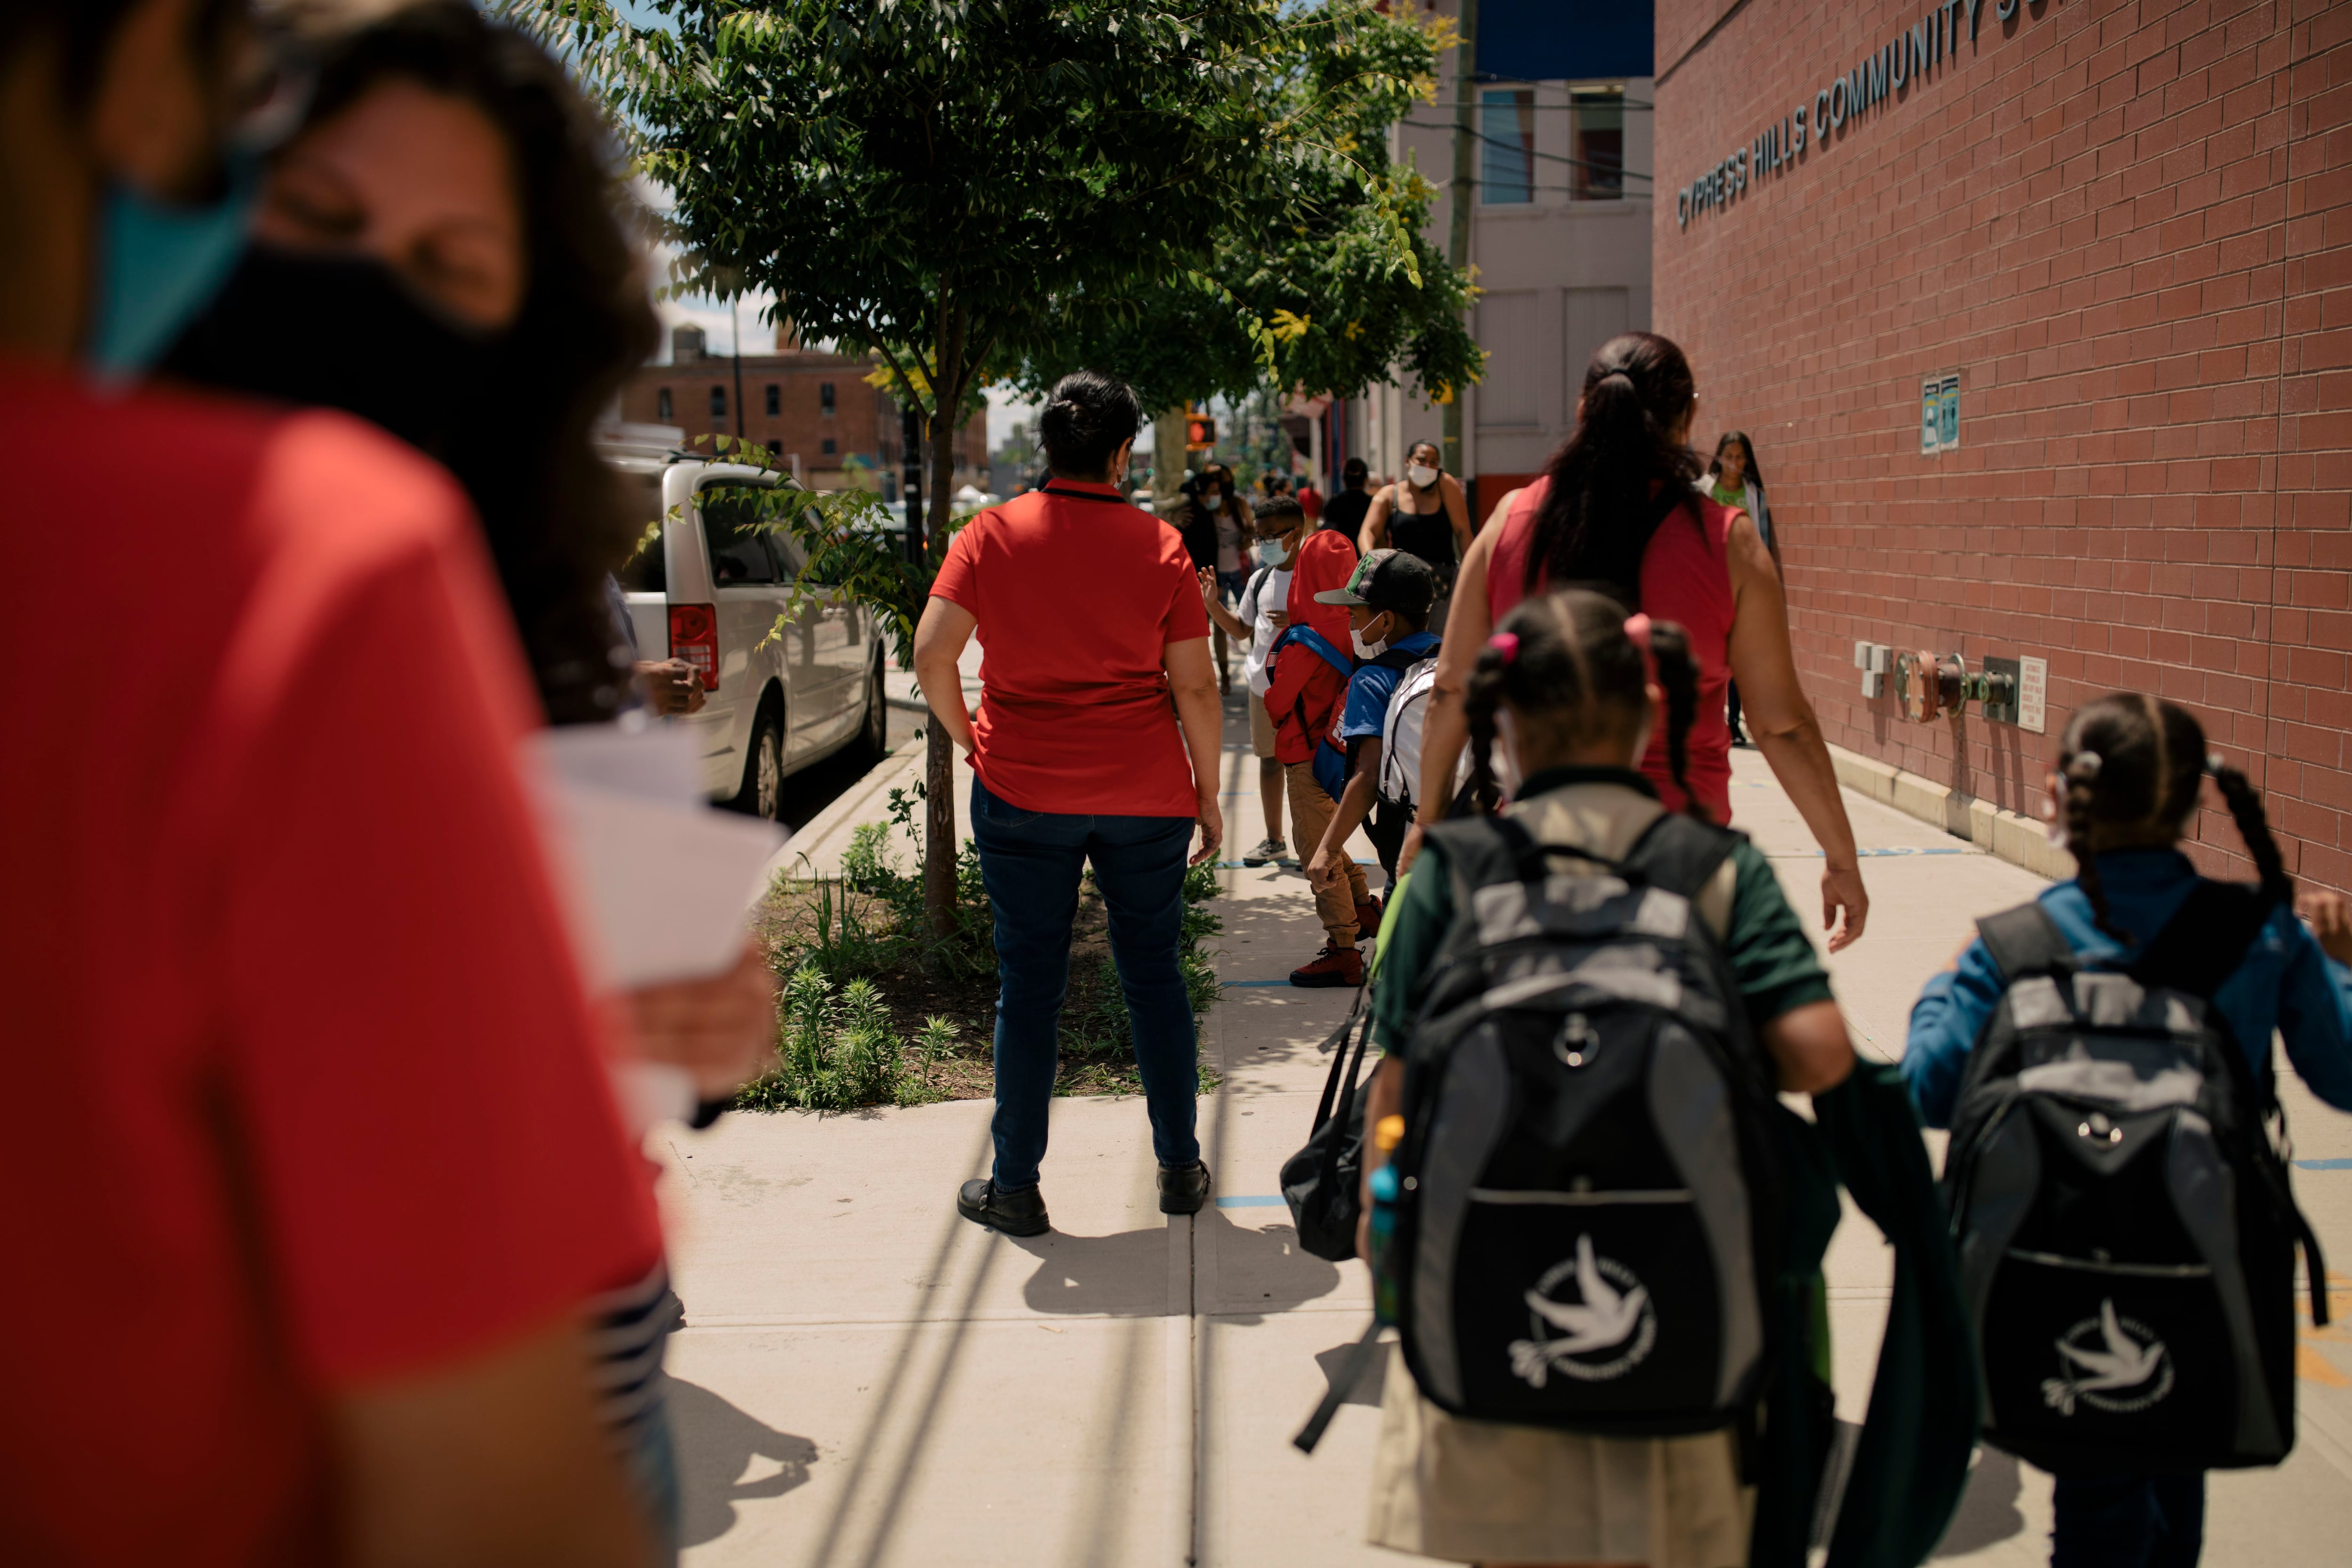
x=1366, y=650
x=1270, y=553
x=1422, y=475
x=1209, y=499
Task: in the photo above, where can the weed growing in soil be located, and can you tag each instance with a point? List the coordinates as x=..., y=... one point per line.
x=878, y=1011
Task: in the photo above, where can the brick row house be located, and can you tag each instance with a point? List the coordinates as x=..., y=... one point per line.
x=812, y=410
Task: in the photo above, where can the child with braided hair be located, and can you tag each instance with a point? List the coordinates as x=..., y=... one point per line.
x=2131, y=769
x=1560, y=705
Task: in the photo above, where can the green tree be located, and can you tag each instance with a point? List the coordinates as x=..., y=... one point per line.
x=962, y=185
x=1327, y=286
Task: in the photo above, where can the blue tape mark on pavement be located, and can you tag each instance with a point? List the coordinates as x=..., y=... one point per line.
x=2324, y=1164
x=1897, y=849
x=1254, y=1201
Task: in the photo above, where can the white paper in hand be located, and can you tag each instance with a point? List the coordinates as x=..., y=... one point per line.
x=658, y=881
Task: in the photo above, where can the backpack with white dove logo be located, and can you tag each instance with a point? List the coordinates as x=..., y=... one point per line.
x=1590, y=1206
x=2124, y=1225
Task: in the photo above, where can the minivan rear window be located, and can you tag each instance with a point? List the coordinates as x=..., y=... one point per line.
x=738, y=552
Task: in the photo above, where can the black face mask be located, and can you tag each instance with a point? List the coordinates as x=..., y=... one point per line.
x=345, y=332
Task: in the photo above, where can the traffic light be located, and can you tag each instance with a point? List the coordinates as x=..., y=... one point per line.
x=1199, y=432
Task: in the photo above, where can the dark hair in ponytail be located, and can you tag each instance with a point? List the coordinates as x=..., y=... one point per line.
x=1594, y=523
x=2133, y=764
x=1086, y=415
x=1566, y=665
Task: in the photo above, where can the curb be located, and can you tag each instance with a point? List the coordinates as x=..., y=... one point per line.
x=2018, y=839
x=845, y=807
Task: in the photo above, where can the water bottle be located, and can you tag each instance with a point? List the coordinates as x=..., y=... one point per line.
x=1385, y=1185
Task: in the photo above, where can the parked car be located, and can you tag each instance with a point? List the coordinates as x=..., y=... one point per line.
x=709, y=589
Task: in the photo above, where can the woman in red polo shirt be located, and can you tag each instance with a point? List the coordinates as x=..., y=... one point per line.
x=1096, y=647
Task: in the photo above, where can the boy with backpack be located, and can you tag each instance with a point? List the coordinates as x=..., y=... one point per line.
x=1388, y=600
x=2125, y=1227
x=1600, y=1245
x=1308, y=669
x=1279, y=526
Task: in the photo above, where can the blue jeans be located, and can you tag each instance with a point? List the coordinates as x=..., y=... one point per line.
x=1030, y=862
x=2127, y=1522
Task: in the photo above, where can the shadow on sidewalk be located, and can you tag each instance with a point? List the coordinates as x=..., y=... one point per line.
x=1125, y=1275
x=719, y=1450
x=1988, y=1511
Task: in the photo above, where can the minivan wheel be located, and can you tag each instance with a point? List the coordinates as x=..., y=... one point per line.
x=764, y=771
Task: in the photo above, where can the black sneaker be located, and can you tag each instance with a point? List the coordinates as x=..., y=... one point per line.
x=1014, y=1214
x=1183, y=1188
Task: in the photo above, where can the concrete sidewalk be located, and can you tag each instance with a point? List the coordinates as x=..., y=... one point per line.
x=868, y=1379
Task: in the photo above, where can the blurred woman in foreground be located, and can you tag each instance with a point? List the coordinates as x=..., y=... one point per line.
x=440, y=250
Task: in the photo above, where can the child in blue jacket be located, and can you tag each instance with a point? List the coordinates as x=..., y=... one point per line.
x=2130, y=771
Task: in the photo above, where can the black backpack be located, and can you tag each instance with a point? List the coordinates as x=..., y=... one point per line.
x=2123, y=1221
x=1591, y=1209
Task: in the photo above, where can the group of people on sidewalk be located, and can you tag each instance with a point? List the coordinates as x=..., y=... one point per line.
x=322, y=1133
x=1577, y=719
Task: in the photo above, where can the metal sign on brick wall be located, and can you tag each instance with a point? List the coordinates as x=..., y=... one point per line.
x=1939, y=414
x=1927, y=46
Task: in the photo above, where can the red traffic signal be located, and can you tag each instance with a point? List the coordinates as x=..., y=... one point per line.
x=1200, y=433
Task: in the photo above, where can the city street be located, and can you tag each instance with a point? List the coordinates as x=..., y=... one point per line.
x=866, y=1379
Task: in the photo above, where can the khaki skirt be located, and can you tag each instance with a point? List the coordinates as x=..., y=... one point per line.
x=1476, y=1491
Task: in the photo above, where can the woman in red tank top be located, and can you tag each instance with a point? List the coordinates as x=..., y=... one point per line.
x=1615, y=509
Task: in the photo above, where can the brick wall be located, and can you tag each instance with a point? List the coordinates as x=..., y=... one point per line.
x=865, y=422
x=2128, y=229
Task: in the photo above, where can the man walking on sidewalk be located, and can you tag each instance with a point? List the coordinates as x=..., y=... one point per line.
x=1091, y=622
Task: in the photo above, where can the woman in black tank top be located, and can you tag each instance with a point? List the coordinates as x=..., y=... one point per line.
x=1425, y=515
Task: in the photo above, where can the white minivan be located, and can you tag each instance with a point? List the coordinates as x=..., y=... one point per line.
x=709, y=591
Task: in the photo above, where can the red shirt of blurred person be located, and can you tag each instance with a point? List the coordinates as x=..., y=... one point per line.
x=1686, y=578
x=311, y=1095
x=1310, y=501
x=1078, y=595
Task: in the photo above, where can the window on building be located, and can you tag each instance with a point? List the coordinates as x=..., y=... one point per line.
x=1507, y=123
x=825, y=398
x=775, y=400
x=775, y=448
x=830, y=446
x=718, y=403
x=661, y=405
x=1598, y=140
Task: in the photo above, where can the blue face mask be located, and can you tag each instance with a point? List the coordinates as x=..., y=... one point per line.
x=159, y=265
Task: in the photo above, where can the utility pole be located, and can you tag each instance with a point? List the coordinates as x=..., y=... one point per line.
x=1462, y=195
x=735, y=316
x=910, y=477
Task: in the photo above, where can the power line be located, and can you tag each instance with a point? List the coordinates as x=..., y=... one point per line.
x=1588, y=103
x=1527, y=151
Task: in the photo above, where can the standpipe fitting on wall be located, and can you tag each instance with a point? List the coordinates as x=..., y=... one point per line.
x=1928, y=686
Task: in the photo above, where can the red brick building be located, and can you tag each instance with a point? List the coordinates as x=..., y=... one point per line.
x=2125, y=232
x=812, y=410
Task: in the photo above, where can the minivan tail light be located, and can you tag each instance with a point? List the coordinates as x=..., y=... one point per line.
x=694, y=637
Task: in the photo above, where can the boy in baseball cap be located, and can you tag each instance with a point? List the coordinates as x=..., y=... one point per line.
x=1387, y=598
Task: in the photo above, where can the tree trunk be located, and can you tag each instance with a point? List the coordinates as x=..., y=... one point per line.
x=940, y=841
x=1168, y=459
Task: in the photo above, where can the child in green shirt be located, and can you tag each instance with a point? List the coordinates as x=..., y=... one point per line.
x=1567, y=683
